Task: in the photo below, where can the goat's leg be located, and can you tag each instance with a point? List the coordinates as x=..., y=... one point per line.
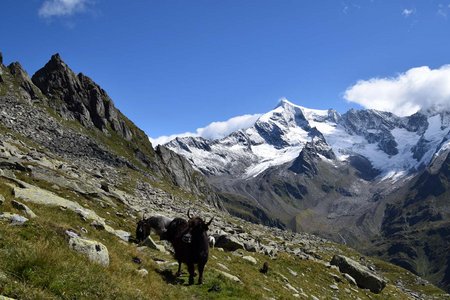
x=178, y=274
x=201, y=267
x=191, y=270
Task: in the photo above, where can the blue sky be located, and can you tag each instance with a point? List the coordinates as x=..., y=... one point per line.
x=175, y=66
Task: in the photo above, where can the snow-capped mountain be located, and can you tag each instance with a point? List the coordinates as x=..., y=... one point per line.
x=367, y=178
x=396, y=146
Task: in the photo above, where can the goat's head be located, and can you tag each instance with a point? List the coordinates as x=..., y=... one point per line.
x=196, y=225
x=142, y=230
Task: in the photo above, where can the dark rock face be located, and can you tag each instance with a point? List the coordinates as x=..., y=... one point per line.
x=82, y=99
x=184, y=176
x=364, y=167
x=418, y=123
x=23, y=80
x=272, y=134
x=420, y=148
x=305, y=162
x=228, y=243
x=375, y=126
x=363, y=276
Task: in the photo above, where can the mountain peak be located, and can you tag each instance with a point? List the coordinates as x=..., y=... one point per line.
x=56, y=58
x=285, y=102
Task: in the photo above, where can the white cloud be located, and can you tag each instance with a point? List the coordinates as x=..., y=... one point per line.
x=215, y=130
x=408, y=12
x=58, y=8
x=405, y=94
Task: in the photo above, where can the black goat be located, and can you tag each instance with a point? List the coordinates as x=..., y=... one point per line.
x=190, y=243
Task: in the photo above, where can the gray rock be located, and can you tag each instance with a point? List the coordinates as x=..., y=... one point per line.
x=98, y=225
x=95, y=251
x=250, y=246
x=24, y=208
x=2, y=199
x=362, y=275
x=334, y=287
x=350, y=279
x=13, y=163
x=142, y=272
x=250, y=259
x=270, y=251
x=151, y=244
x=293, y=273
x=14, y=219
x=228, y=243
x=229, y=276
x=290, y=287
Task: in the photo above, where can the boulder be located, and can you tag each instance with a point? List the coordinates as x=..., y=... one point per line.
x=142, y=272
x=250, y=246
x=14, y=164
x=149, y=242
x=268, y=250
x=24, y=208
x=14, y=219
x=363, y=276
x=250, y=259
x=95, y=251
x=228, y=243
x=228, y=276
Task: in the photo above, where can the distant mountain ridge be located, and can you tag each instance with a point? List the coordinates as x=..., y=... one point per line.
x=338, y=175
x=394, y=145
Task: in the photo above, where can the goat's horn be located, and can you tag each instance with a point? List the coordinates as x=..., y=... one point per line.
x=143, y=216
x=189, y=213
x=210, y=221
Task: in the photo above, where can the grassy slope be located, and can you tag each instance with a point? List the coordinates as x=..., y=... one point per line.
x=39, y=265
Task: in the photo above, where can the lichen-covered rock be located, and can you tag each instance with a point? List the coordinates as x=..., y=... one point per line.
x=24, y=208
x=13, y=219
x=250, y=259
x=95, y=251
x=363, y=276
x=229, y=276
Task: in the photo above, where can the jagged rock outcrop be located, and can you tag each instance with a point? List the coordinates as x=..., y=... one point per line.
x=78, y=97
x=112, y=138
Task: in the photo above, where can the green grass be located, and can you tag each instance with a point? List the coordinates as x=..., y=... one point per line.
x=39, y=265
